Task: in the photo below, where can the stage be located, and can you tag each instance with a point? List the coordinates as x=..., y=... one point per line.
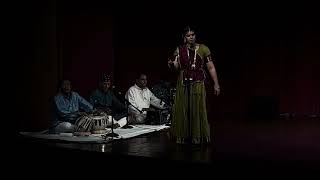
x=283, y=145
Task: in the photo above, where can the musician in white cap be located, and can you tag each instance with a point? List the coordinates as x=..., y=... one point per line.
x=105, y=100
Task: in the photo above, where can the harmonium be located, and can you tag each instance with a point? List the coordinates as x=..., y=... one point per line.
x=157, y=116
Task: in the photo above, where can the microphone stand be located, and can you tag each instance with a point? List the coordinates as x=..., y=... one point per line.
x=187, y=82
x=112, y=134
x=127, y=126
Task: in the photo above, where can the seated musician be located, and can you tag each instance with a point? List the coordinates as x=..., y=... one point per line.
x=67, y=104
x=140, y=98
x=104, y=99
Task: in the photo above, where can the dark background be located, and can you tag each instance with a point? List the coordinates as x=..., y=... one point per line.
x=267, y=55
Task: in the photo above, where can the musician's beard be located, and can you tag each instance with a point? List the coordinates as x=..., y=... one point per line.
x=105, y=90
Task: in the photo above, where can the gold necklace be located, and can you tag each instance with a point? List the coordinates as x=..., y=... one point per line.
x=193, y=65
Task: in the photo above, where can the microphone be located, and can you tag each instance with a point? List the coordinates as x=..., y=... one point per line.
x=114, y=89
x=118, y=94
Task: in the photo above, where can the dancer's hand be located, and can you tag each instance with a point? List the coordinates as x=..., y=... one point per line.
x=216, y=89
x=170, y=62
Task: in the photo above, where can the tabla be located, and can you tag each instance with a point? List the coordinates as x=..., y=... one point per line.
x=83, y=124
x=95, y=124
x=99, y=124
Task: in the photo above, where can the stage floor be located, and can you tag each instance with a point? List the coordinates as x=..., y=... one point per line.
x=277, y=144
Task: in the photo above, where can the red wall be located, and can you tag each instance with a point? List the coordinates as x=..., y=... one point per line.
x=86, y=48
x=273, y=55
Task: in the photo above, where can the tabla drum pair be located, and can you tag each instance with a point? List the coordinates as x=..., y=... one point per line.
x=87, y=124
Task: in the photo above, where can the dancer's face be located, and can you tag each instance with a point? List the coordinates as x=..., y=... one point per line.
x=190, y=37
